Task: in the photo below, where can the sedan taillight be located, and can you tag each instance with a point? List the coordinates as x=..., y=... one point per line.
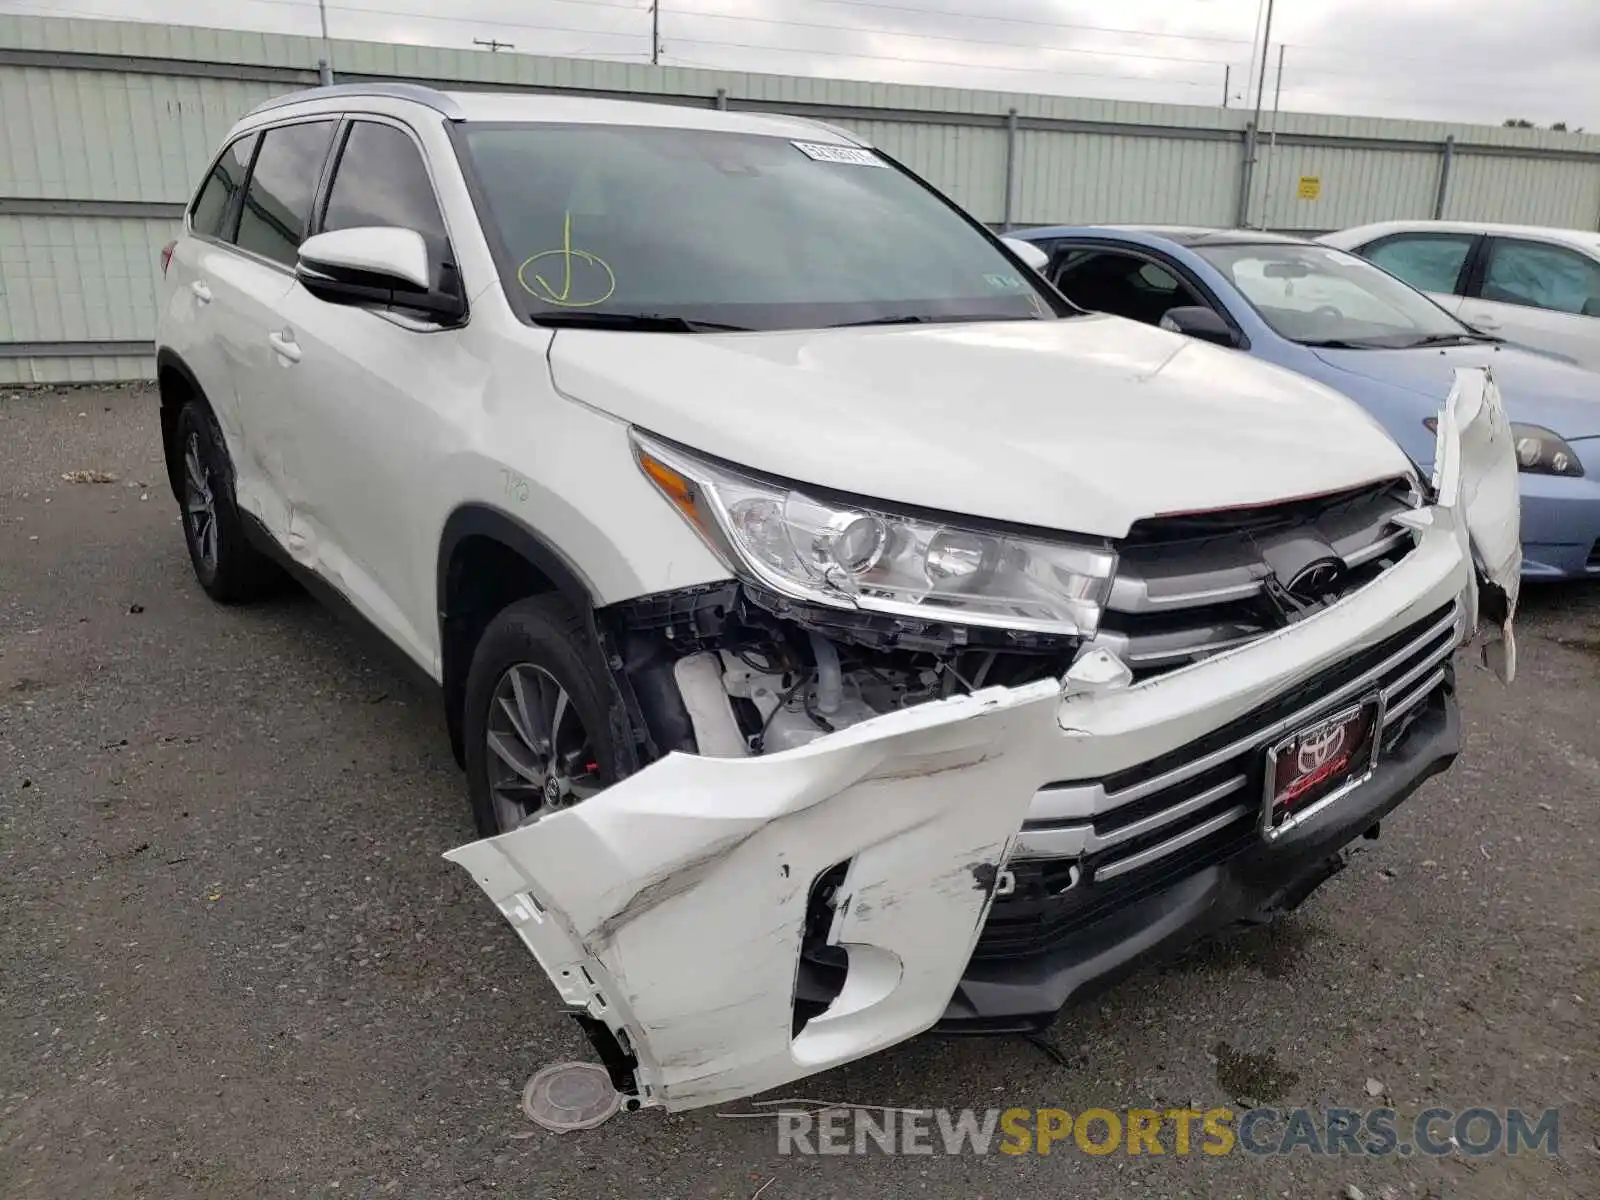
x=166, y=255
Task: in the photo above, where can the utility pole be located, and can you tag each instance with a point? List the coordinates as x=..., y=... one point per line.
x=1227, y=77
x=1255, y=126
x=1272, y=142
x=655, y=33
x=494, y=46
x=325, y=65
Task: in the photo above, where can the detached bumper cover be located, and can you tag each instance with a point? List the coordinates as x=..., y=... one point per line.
x=671, y=907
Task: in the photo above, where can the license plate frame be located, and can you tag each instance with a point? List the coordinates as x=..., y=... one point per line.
x=1334, y=755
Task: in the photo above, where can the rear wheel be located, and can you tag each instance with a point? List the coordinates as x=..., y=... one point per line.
x=535, y=724
x=228, y=567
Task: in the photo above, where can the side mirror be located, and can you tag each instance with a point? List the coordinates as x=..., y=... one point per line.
x=375, y=266
x=1198, y=321
x=1027, y=252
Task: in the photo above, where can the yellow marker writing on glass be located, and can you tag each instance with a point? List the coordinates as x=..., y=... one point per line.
x=593, y=275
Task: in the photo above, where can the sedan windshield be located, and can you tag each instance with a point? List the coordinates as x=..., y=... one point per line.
x=697, y=230
x=1323, y=297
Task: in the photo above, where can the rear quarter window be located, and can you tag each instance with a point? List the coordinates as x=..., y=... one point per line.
x=211, y=213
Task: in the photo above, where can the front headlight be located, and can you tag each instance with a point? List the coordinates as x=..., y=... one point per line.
x=859, y=554
x=1539, y=451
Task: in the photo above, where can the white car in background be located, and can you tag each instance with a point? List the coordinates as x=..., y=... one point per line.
x=1536, y=287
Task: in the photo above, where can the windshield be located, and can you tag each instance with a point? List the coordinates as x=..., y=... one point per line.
x=729, y=230
x=1320, y=296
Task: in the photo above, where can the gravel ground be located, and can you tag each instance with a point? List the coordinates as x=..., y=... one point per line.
x=234, y=962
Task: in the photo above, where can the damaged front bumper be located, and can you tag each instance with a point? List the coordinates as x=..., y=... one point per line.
x=671, y=909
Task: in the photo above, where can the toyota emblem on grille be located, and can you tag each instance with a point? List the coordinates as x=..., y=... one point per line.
x=1319, y=749
x=1316, y=580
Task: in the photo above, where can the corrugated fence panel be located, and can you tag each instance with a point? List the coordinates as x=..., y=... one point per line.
x=1352, y=186
x=1527, y=191
x=73, y=279
x=111, y=136
x=113, y=368
x=1073, y=178
x=967, y=163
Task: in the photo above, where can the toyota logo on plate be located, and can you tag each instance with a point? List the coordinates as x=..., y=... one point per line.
x=1319, y=749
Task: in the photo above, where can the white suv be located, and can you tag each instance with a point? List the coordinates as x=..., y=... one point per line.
x=842, y=634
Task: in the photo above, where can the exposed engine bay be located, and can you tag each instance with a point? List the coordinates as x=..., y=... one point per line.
x=738, y=670
x=733, y=671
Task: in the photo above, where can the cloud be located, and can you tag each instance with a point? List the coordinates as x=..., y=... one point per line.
x=1464, y=60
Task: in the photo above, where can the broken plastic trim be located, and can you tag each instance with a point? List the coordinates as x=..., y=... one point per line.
x=1475, y=472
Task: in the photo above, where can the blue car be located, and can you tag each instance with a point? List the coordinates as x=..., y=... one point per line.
x=1343, y=321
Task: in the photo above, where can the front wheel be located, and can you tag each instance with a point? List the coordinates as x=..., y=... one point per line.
x=229, y=568
x=535, y=722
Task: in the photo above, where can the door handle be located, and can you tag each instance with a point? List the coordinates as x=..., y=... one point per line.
x=201, y=292
x=285, y=345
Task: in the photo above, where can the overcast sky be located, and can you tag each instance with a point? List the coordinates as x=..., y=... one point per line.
x=1464, y=60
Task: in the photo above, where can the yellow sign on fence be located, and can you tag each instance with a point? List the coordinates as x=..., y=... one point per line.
x=1310, y=187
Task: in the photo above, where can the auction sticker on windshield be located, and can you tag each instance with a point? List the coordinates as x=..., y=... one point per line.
x=854, y=156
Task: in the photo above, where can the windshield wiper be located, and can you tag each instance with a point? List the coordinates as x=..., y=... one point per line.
x=632, y=322
x=1451, y=339
x=1337, y=344
x=933, y=319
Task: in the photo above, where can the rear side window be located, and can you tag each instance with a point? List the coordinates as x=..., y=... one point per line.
x=277, y=203
x=215, y=202
x=1542, y=276
x=1428, y=262
x=381, y=180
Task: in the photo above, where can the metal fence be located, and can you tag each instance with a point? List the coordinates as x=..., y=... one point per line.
x=105, y=127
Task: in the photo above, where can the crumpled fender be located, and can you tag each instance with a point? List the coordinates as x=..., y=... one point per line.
x=1475, y=473
x=671, y=906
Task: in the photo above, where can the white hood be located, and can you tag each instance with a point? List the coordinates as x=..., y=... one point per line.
x=1085, y=424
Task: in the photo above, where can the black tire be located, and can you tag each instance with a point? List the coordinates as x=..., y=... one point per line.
x=541, y=634
x=229, y=568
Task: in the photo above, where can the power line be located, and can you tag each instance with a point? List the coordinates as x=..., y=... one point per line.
x=416, y=16
x=678, y=11
x=990, y=17
x=42, y=8
x=945, y=62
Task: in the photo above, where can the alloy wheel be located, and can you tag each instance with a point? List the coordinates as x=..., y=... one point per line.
x=199, y=504
x=540, y=756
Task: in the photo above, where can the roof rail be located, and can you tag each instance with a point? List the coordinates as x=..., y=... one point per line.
x=432, y=97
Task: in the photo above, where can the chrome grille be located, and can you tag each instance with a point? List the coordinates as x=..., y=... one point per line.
x=1195, y=806
x=1193, y=585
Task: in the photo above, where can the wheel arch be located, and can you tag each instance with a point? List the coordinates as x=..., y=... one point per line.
x=177, y=385
x=487, y=560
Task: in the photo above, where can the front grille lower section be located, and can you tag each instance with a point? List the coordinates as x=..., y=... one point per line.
x=1194, y=585
x=1160, y=822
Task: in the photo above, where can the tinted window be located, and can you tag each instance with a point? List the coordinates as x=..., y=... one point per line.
x=758, y=231
x=381, y=180
x=1430, y=263
x=1542, y=276
x=1122, y=284
x=213, y=204
x=277, y=204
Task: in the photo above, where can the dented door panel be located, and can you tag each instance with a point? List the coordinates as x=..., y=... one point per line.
x=671, y=907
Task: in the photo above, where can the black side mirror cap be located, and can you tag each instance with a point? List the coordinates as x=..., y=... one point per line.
x=376, y=291
x=1198, y=321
